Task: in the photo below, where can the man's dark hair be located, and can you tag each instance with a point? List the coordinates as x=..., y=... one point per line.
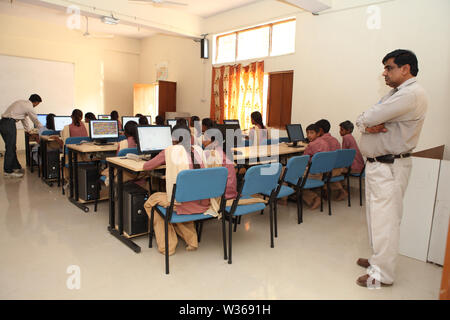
x=159, y=120
x=50, y=118
x=35, y=98
x=347, y=125
x=143, y=120
x=194, y=119
x=114, y=115
x=324, y=124
x=90, y=116
x=208, y=123
x=313, y=127
x=130, y=130
x=402, y=57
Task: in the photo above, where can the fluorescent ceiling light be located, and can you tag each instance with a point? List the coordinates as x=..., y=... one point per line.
x=313, y=6
x=110, y=20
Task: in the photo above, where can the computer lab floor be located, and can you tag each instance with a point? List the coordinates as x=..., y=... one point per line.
x=44, y=238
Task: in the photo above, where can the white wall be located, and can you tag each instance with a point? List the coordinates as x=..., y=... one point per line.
x=337, y=63
x=105, y=69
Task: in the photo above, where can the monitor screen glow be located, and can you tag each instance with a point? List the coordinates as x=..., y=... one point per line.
x=172, y=122
x=42, y=119
x=154, y=138
x=103, y=129
x=126, y=119
x=230, y=121
x=104, y=117
x=61, y=122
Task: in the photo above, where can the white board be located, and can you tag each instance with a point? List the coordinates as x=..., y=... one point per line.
x=441, y=216
x=418, y=206
x=52, y=80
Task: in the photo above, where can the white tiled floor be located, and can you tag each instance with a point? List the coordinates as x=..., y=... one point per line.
x=42, y=234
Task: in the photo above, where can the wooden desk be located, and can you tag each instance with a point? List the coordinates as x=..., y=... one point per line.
x=265, y=153
x=43, y=142
x=73, y=151
x=132, y=166
x=29, y=137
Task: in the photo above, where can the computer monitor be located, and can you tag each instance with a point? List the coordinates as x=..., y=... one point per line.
x=61, y=122
x=149, y=118
x=153, y=139
x=125, y=119
x=295, y=134
x=42, y=119
x=171, y=122
x=104, y=117
x=234, y=121
x=238, y=138
x=102, y=130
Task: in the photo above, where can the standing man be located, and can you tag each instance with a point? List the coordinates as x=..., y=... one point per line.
x=390, y=132
x=15, y=112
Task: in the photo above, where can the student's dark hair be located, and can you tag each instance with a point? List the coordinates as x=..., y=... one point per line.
x=183, y=126
x=90, y=116
x=347, y=125
x=208, y=123
x=35, y=98
x=159, y=120
x=50, y=118
x=257, y=117
x=181, y=121
x=324, y=124
x=194, y=119
x=130, y=130
x=138, y=115
x=143, y=120
x=77, y=116
x=403, y=57
x=114, y=115
x=313, y=127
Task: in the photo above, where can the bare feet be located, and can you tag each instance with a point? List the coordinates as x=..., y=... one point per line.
x=316, y=203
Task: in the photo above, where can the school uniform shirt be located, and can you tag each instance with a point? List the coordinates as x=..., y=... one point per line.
x=18, y=111
x=349, y=142
x=318, y=145
x=332, y=142
x=190, y=207
x=127, y=143
x=402, y=111
x=72, y=130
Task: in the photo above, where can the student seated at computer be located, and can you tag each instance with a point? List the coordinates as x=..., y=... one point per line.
x=159, y=120
x=89, y=116
x=349, y=142
x=138, y=115
x=178, y=157
x=143, y=120
x=77, y=128
x=115, y=116
x=259, y=133
x=56, y=142
x=196, y=130
x=311, y=196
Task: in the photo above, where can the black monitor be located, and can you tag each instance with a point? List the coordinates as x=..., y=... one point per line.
x=153, y=139
x=234, y=121
x=238, y=138
x=295, y=134
x=61, y=122
x=102, y=130
x=104, y=117
x=125, y=119
x=42, y=119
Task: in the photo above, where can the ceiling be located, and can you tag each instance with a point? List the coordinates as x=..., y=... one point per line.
x=57, y=15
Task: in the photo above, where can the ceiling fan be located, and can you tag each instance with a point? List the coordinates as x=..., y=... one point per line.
x=86, y=34
x=157, y=2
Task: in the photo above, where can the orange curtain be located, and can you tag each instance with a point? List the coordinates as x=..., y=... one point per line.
x=236, y=92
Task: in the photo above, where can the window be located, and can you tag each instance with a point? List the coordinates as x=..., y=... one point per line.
x=271, y=39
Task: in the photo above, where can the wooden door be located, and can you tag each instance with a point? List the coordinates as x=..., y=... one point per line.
x=279, y=99
x=167, y=97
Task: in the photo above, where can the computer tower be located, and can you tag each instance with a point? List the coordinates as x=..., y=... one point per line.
x=135, y=218
x=87, y=181
x=52, y=164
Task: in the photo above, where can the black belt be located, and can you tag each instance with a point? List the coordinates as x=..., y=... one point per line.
x=388, y=158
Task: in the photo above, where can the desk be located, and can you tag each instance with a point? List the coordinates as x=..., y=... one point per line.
x=43, y=142
x=29, y=137
x=265, y=154
x=73, y=151
x=132, y=166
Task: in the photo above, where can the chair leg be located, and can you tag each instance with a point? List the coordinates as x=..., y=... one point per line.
x=62, y=178
x=230, y=233
x=348, y=190
x=329, y=199
x=199, y=233
x=271, y=224
x=150, y=236
x=166, y=239
x=262, y=211
x=275, y=218
x=321, y=199
x=360, y=191
x=235, y=223
x=224, y=236
x=300, y=207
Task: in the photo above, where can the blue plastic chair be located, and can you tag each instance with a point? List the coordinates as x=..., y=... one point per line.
x=260, y=179
x=290, y=183
x=344, y=160
x=122, y=137
x=49, y=133
x=191, y=185
x=70, y=140
x=321, y=163
x=360, y=176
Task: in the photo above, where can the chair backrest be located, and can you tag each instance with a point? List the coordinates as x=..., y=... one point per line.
x=122, y=137
x=124, y=152
x=74, y=140
x=284, y=139
x=296, y=167
x=199, y=184
x=323, y=162
x=261, y=179
x=344, y=158
x=49, y=132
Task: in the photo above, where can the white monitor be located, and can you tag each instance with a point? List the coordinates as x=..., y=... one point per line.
x=61, y=122
x=104, y=117
x=103, y=130
x=149, y=118
x=172, y=122
x=125, y=119
x=153, y=139
x=42, y=119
